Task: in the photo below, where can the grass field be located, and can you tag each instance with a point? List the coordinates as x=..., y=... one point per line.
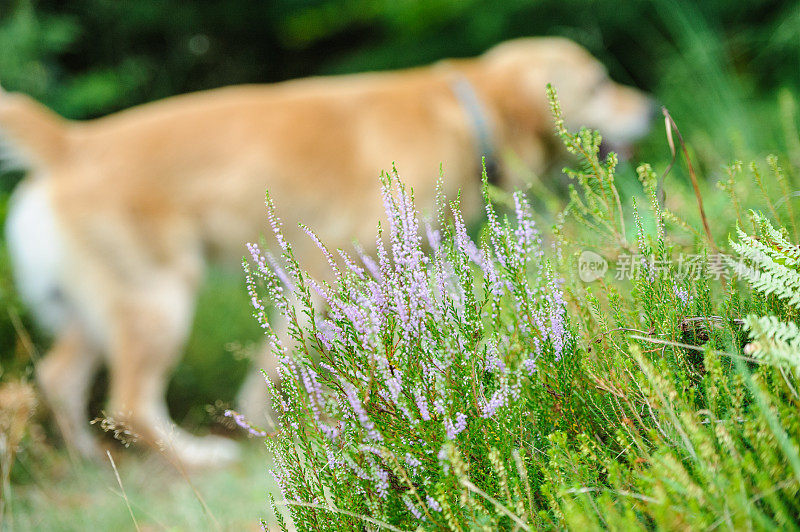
x=49, y=490
x=61, y=494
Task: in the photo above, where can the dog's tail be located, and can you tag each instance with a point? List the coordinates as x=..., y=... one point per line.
x=31, y=135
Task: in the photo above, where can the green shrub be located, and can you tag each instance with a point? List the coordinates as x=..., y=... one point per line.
x=487, y=386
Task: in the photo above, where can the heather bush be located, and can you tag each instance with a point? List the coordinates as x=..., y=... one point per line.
x=454, y=384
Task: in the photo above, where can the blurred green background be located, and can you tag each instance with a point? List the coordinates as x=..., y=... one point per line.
x=726, y=69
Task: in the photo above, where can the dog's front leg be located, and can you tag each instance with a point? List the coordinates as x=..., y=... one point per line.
x=65, y=376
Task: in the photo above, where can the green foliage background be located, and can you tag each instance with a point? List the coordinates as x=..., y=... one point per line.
x=726, y=69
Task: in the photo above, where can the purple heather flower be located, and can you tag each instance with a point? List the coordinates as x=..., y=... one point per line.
x=682, y=294
x=324, y=340
x=351, y=265
x=368, y=262
x=331, y=261
x=413, y=463
x=397, y=325
x=434, y=237
x=381, y=482
x=422, y=404
x=461, y=239
x=411, y=508
x=242, y=422
x=530, y=365
x=433, y=504
x=499, y=399
x=356, y=469
x=279, y=272
x=330, y=432
x=355, y=403
x=493, y=361
x=557, y=332
x=438, y=405
x=454, y=430
x=279, y=474
x=395, y=384
x=496, y=233
x=313, y=388
x=371, y=449
x=333, y=461
x=443, y=459
x=528, y=241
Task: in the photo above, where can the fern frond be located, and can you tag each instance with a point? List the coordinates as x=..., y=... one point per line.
x=789, y=252
x=778, y=280
x=759, y=247
x=767, y=262
x=774, y=341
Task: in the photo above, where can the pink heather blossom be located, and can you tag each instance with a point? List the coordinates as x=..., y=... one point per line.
x=330, y=432
x=530, y=365
x=368, y=262
x=331, y=261
x=279, y=271
x=454, y=430
x=411, y=508
x=422, y=404
x=434, y=237
x=352, y=266
x=528, y=241
x=399, y=331
x=357, y=471
x=438, y=405
x=496, y=231
x=499, y=399
x=443, y=459
x=333, y=461
x=558, y=334
x=493, y=361
x=413, y=463
x=682, y=294
x=355, y=403
x=381, y=482
x=276, y=224
x=240, y=421
x=433, y=504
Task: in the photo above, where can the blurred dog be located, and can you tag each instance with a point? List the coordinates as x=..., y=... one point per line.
x=111, y=229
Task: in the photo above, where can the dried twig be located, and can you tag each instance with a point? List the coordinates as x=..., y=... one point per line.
x=670, y=126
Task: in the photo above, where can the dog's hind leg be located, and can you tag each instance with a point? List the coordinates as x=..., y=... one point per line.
x=149, y=325
x=253, y=398
x=65, y=376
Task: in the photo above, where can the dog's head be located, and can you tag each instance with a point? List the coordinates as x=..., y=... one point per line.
x=520, y=70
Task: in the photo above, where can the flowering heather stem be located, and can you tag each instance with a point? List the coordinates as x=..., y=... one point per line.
x=410, y=350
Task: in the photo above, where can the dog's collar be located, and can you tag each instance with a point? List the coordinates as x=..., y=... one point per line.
x=474, y=108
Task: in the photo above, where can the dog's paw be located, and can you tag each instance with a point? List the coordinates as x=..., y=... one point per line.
x=208, y=451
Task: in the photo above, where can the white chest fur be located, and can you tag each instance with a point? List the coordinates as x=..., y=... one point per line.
x=37, y=253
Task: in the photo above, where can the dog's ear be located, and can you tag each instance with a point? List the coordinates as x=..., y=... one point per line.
x=31, y=135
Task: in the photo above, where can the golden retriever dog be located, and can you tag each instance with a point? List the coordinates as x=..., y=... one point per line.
x=110, y=230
